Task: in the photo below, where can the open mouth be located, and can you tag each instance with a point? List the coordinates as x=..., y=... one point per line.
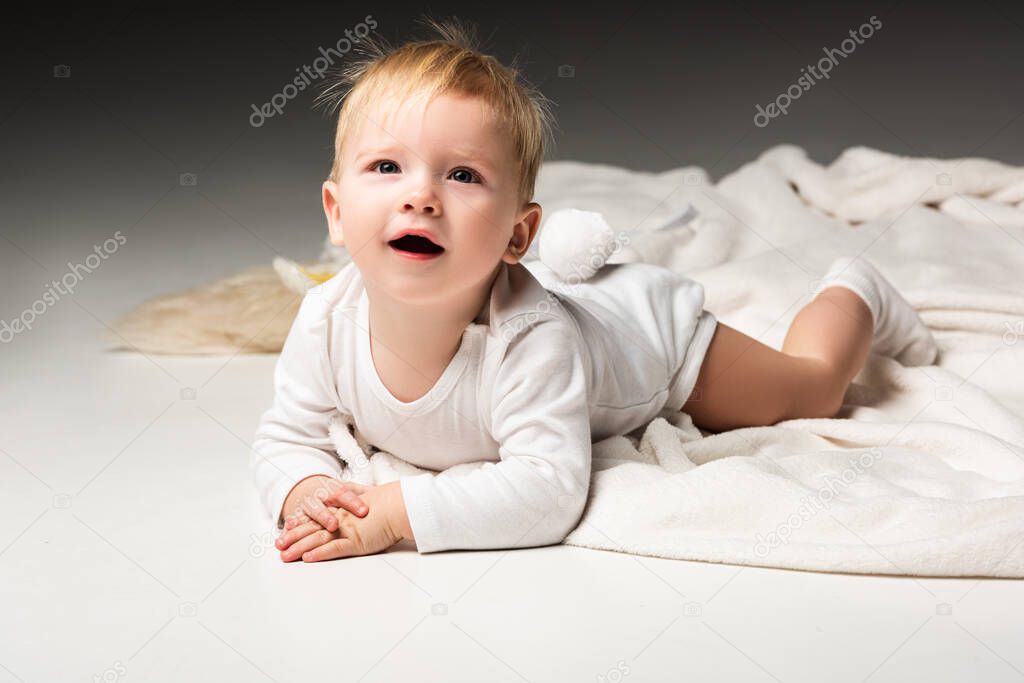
x=415, y=244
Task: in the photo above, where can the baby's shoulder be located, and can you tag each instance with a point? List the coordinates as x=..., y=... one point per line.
x=340, y=292
x=327, y=311
x=522, y=310
x=542, y=345
x=549, y=331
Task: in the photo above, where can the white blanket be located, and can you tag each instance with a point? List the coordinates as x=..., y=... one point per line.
x=923, y=472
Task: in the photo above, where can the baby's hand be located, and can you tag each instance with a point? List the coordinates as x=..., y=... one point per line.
x=295, y=540
x=354, y=535
x=305, y=501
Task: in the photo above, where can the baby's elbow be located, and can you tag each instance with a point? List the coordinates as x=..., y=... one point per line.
x=566, y=513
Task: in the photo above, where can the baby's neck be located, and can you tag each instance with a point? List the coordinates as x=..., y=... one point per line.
x=412, y=344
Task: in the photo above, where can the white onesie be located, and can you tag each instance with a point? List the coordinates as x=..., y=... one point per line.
x=545, y=369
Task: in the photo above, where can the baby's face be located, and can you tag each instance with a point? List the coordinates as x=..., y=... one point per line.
x=445, y=170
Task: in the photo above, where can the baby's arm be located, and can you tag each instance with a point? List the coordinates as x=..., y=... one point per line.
x=536, y=494
x=292, y=441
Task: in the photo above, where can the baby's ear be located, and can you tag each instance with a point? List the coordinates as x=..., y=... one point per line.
x=332, y=210
x=523, y=233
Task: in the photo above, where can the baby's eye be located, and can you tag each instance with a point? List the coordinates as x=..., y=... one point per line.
x=467, y=171
x=467, y=176
x=384, y=162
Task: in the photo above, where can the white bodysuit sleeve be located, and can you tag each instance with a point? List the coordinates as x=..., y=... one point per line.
x=292, y=440
x=536, y=494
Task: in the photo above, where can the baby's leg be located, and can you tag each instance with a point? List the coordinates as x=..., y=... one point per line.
x=744, y=383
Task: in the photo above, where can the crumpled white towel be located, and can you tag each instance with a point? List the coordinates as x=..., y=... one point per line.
x=922, y=473
x=863, y=494
x=864, y=183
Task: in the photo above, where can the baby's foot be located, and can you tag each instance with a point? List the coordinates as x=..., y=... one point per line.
x=899, y=331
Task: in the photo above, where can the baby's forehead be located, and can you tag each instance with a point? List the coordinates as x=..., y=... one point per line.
x=474, y=114
x=386, y=118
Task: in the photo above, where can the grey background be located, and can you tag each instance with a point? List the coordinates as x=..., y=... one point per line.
x=158, y=91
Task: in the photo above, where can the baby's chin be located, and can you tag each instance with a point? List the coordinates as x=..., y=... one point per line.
x=430, y=287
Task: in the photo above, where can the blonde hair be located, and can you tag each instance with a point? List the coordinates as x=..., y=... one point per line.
x=449, y=64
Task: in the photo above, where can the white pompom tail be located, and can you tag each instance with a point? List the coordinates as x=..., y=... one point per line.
x=575, y=244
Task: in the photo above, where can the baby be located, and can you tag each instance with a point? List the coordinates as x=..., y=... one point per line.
x=444, y=347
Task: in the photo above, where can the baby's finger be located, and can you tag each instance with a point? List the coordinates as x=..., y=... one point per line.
x=355, y=486
x=308, y=543
x=318, y=512
x=296, y=520
x=289, y=536
x=293, y=535
x=339, y=547
x=348, y=500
